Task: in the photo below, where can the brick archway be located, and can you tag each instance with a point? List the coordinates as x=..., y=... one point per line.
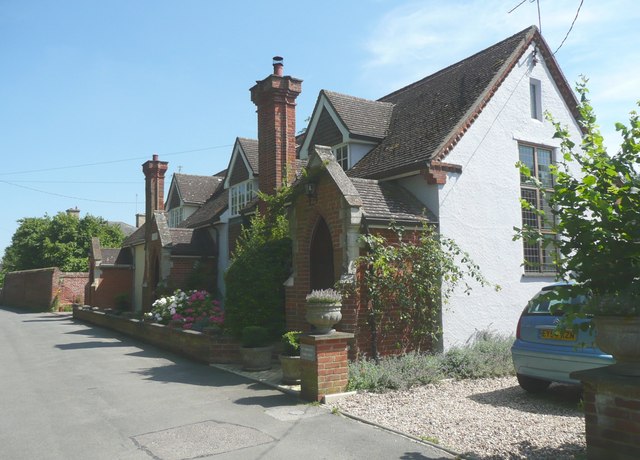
x=321, y=267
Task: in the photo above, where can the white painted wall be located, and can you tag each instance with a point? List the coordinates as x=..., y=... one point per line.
x=480, y=207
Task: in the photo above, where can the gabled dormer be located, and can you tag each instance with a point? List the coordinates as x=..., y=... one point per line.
x=242, y=175
x=351, y=126
x=186, y=194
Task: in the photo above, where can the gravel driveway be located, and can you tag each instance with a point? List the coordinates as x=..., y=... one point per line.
x=486, y=418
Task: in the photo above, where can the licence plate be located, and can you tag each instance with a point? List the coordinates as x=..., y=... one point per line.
x=552, y=334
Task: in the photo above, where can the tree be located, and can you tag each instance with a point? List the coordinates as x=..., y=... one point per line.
x=595, y=215
x=61, y=241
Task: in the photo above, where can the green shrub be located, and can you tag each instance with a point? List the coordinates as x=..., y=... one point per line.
x=255, y=337
x=487, y=355
x=260, y=265
x=291, y=343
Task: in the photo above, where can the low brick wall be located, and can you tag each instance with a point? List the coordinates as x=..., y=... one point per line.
x=192, y=344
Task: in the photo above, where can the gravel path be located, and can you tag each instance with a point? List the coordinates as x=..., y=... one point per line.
x=486, y=419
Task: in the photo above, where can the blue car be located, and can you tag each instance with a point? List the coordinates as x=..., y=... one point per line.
x=541, y=354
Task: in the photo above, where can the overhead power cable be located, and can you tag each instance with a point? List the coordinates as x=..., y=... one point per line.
x=99, y=163
x=65, y=196
x=570, y=28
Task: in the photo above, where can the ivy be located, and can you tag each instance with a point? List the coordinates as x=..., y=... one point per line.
x=259, y=266
x=406, y=282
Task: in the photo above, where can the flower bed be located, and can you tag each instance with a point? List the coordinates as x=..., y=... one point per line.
x=207, y=346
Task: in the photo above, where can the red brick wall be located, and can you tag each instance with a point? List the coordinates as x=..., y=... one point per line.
x=612, y=418
x=183, y=267
x=114, y=282
x=354, y=309
x=38, y=288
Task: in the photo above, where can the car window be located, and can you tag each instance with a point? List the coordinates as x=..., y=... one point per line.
x=548, y=301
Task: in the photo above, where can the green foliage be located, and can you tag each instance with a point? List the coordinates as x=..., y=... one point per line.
x=411, y=280
x=596, y=215
x=61, y=241
x=260, y=265
x=291, y=343
x=488, y=355
x=255, y=337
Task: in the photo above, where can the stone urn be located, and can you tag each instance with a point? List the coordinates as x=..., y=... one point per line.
x=324, y=310
x=620, y=337
x=291, y=371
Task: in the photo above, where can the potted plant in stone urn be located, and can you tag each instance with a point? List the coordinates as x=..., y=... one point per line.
x=593, y=218
x=290, y=357
x=324, y=310
x=256, y=348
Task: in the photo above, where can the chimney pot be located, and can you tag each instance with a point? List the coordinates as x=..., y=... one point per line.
x=278, y=66
x=155, y=157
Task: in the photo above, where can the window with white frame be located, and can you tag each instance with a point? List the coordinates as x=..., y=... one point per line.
x=538, y=256
x=240, y=195
x=342, y=155
x=535, y=98
x=175, y=216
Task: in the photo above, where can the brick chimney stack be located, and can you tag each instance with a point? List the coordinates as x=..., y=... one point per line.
x=275, y=98
x=154, y=171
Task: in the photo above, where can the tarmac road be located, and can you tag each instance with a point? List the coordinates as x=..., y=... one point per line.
x=74, y=391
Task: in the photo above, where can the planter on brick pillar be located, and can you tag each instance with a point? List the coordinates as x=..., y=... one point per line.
x=324, y=364
x=612, y=414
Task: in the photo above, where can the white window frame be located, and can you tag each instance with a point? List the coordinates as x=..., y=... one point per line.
x=239, y=196
x=538, y=257
x=341, y=153
x=176, y=216
x=535, y=98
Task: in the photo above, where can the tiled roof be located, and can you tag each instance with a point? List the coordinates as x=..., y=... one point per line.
x=427, y=112
x=190, y=242
x=209, y=211
x=126, y=228
x=362, y=117
x=119, y=256
x=196, y=189
x=387, y=201
x=135, y=238
x=250, y=147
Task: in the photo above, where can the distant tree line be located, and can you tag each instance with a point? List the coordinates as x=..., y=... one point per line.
x=61, y=241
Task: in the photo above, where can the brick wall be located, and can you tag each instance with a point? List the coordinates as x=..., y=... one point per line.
x=38, y=288
x=195, y=345
x=332, y=208
x=612, y=416
x=182, y=269
x=113, y=283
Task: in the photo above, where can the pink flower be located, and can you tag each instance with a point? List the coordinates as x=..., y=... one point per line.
x=177, y=317
x=187, y=326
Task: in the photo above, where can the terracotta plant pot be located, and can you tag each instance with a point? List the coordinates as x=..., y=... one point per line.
x=620, y=337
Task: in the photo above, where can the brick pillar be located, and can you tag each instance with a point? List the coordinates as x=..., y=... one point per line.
x=612, y=414
x=154, y=171
x=324, y=364
x=275, y=98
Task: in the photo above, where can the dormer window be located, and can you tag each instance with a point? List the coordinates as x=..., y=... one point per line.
x=535, y=96
x=240, y=195
x=175, y=216
x=341, y=153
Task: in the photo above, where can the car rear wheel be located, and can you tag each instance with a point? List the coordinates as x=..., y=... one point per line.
x=532, y=384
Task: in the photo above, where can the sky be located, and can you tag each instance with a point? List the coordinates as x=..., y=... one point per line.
x=90, y=90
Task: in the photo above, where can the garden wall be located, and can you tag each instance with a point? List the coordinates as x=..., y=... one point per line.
x=39, y=288
x=195, y=345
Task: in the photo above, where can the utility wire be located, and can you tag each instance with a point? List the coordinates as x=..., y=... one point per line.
x=570, y=28
x=112, y=161
x=65, y=196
